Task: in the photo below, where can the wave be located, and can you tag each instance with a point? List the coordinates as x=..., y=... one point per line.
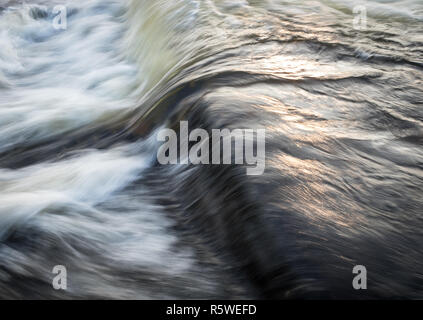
x=80, y=185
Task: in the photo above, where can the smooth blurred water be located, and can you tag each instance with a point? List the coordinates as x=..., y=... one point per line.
x=80, y=185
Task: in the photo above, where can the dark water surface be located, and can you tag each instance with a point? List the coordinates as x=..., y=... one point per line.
x=80, y=185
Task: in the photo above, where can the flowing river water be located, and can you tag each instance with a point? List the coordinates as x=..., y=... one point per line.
x=80, y=185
